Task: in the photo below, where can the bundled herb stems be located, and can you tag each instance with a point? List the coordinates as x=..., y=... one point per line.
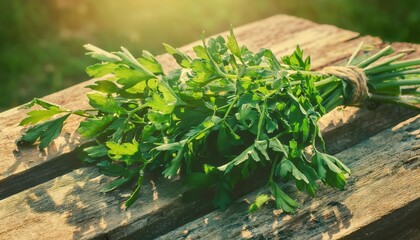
x=223, y=115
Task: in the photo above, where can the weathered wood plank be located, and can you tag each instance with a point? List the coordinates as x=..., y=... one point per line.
x=348, y=126
x=384, y=189
x=71, y=206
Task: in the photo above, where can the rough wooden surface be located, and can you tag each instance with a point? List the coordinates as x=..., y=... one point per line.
x=72, y=207
x=49, y=190
x=386, y=178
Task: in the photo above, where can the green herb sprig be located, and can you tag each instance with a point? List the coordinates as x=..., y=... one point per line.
x=219, y=117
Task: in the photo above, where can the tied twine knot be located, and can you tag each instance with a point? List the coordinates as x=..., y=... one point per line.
x=354, y=76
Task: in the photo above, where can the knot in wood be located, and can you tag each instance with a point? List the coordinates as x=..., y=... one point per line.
x=354, y=76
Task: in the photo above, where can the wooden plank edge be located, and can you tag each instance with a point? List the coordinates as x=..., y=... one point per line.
x=402, y=223
x=39, y=174
x=363, y=124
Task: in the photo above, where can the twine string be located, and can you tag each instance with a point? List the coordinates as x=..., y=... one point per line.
x=354, y=76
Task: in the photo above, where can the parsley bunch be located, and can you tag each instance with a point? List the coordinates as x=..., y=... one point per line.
x=219, y=117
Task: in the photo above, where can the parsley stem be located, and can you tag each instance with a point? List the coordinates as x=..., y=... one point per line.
x=212, y=61
x=393, y=66
x=353, y=56
x=231, y=76
x=325, y=92
x=273, y=167
x=386, y=61
x=82, y=113
x=136, y=109
x=334, y=100
x=384, y=52
x=397, y=83
x=293, y=83
x=131, y=59
x=310, y=73
x=230, y=107
x=326, y=81
x=135, y=194
x=385, y=76
x=282, y=133
x=262, y=113
x=131, y=112
x=261, y=119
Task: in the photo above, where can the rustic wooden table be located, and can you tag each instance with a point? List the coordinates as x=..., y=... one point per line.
x=51, y=195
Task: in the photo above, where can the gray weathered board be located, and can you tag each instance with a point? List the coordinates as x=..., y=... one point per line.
x=50, y=195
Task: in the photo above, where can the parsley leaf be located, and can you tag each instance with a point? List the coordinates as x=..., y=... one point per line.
x=45, y=132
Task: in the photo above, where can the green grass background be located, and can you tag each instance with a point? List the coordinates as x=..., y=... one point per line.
x=41, y=40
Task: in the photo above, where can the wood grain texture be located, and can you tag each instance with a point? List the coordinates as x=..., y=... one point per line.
x=386, y=179
x=47, y=195
x=80, y=211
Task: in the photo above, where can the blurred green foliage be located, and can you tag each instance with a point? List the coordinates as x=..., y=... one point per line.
x=41, y=40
